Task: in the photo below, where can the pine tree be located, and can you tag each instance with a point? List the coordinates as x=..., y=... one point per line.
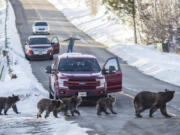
x=124, y=8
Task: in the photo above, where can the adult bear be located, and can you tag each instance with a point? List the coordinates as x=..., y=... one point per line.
x=153, y=101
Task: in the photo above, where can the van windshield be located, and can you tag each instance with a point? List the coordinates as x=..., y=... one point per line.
x=82, y=65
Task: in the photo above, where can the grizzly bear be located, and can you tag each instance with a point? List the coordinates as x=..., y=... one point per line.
x=153, y=101
x=106, y=103
x=49, y=106
x=8, y=102
x=71, y=104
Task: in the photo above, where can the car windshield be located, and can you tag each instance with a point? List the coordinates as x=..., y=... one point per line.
x=35, y=41
x=41, y=24
x=83, y=65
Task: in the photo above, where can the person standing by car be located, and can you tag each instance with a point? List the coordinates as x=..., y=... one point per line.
x=71, y=43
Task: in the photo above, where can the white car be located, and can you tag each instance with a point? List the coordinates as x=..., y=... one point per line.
x=40, y=27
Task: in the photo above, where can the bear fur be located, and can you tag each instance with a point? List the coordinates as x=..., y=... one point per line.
x=153, y=101
x=49, y=106
x=106, y=103
x=71, y=104
x=8, y=102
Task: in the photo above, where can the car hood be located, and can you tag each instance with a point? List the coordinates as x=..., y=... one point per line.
x=80, y=74
x=41, y=27
x=40, y=46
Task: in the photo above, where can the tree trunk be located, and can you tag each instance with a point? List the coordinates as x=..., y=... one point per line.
x=134, y=22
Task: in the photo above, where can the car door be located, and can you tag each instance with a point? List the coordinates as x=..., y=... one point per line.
x=113, y=74
x=55, y=44
x=53, y=74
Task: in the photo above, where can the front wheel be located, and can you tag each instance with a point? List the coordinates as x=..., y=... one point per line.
x=27, y=57
x=50, y=95
x=51, y=58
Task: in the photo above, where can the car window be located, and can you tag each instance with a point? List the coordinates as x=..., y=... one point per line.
x=41, y=24
x=83, y=65
x=34, y=41
x=55, y=40
x=112, y=64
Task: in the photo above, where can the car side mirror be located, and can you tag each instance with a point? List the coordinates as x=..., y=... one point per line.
x=48, y=69
x=112, y=69
x=26, y=43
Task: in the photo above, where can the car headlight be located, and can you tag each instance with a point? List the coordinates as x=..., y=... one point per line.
x=102, y=82
x=61, y=83
x=34, y=29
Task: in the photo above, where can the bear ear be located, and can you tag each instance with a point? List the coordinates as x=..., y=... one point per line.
x=13, y=95
x=166, y=90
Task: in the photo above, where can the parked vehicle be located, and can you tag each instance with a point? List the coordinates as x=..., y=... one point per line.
x=40, y=27
x=39, y=47
x=80, y=74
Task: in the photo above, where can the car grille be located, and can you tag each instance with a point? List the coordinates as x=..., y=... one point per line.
x=40, y=50
x=83, y=79
x=81, y=84
x=81, y=88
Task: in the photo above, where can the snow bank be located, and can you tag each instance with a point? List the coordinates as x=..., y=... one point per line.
x=99, y=27
x=164, y=66
x=118, y=37
x=3, y=65
x=29, y=89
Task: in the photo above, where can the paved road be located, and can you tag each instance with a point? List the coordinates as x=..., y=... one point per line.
x=27, y=11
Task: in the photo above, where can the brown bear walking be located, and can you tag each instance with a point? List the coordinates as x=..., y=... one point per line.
x=153, y=101
x=106, y=103
x=49, y=106
x=8, y=102
x=71, y=104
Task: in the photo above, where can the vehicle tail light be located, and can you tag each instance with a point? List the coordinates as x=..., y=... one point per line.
x=102, y=82
x=61, y=83
x=29, y=51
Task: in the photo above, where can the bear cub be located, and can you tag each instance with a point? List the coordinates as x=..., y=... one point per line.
x=106, y=103
x=153, y=101
x=71, y=104
x=8, y=102
x=49, y=106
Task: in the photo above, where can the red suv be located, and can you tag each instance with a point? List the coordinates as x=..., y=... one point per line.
x=79, y=74
x=39, y=47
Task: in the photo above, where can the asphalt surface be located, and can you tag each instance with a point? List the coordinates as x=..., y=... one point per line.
x=125, y=123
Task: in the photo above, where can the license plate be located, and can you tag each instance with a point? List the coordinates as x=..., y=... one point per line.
x=40, y=52
x=82, y=94
x=36, y=52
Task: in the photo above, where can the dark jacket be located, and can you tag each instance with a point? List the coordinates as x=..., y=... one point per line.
x=71, y=41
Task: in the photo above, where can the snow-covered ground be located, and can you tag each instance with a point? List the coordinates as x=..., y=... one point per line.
x=119, y=39
x=3, y=65
x=99, y=27
x=30, y=91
